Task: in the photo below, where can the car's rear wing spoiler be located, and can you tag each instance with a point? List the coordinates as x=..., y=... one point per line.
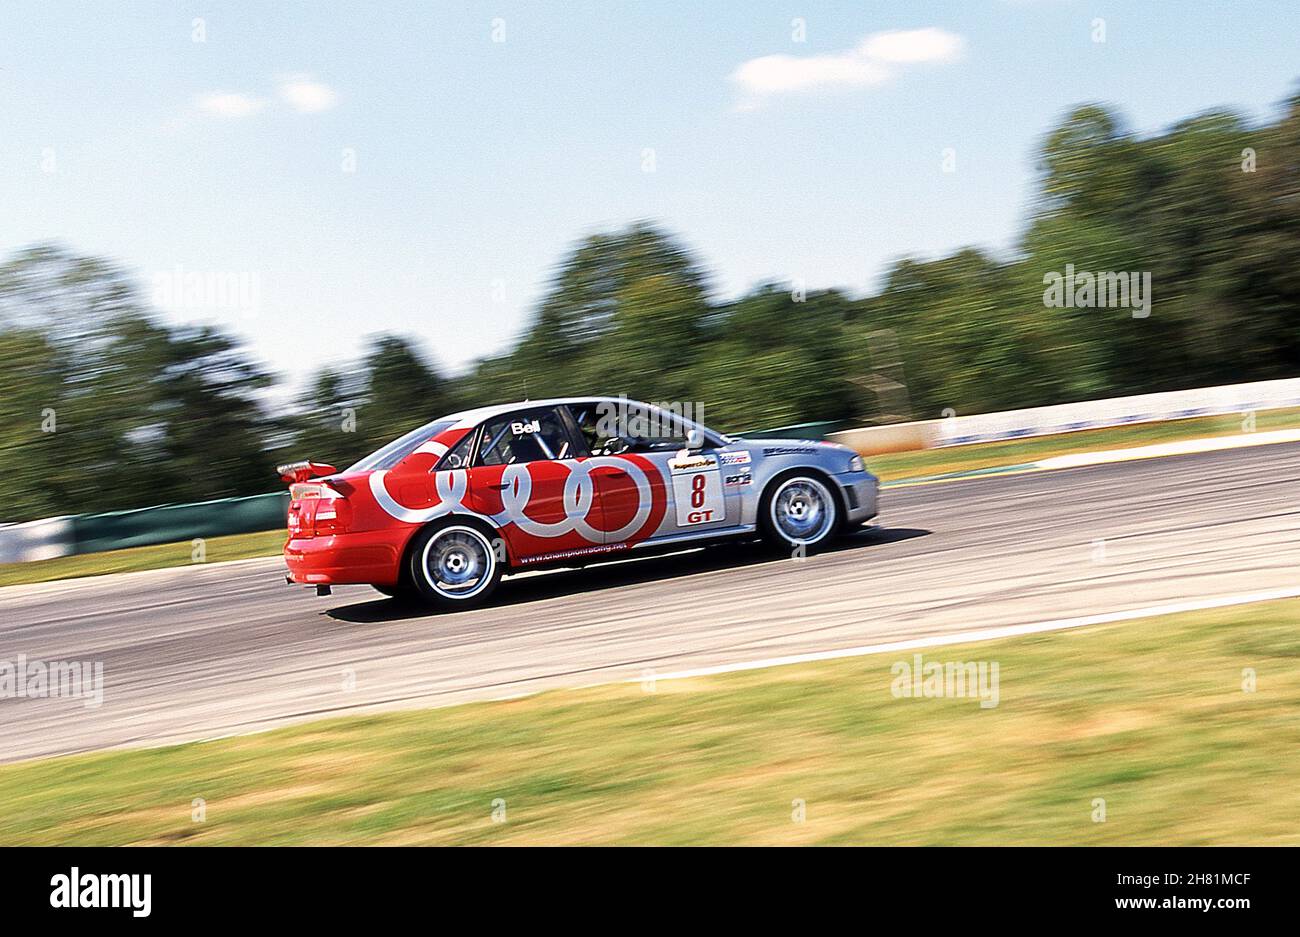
x=296, y=472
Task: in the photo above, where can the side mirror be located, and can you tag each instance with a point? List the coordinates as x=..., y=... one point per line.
x=694, y=439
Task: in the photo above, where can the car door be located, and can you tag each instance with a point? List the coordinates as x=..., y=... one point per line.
x=528, y=477
x=653, y=489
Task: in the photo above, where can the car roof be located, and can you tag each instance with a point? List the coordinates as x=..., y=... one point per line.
x=477, y=415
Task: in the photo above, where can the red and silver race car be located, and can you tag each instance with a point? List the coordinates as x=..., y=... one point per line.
x=441, y=513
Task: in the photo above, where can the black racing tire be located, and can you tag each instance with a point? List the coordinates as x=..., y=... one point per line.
x=800, y=510
x=454, y=564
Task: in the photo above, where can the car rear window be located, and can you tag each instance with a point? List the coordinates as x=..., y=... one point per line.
x=401, y=447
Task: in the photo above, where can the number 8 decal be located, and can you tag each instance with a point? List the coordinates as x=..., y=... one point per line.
x=697, y=490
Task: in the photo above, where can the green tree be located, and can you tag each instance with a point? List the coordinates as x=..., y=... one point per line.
x=624, y=309
x=113, y=410
x=350, y=411
x=402, y=390
x=776, y=360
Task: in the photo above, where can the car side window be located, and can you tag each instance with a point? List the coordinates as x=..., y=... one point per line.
x=459, y=455
x=664, y=434
x=525, y=436
x=596, y=429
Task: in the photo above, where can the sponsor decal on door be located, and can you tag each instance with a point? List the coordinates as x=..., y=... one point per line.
x=697, y=490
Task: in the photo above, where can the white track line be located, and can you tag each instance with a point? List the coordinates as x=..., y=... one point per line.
x=984, y=634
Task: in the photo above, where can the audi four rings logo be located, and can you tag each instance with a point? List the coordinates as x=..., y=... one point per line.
x=578, y=497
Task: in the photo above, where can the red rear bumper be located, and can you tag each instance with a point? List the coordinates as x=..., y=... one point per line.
x=372, y=557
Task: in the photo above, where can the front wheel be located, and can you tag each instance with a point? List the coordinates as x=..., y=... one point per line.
x=454, y=566
x=799, y=512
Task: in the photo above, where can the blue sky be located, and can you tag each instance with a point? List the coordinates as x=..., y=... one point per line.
x=479, y=162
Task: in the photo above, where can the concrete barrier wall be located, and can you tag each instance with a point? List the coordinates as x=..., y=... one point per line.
x=36, y=540
x=1119, y=411
x=1072, y=417
x=817, y=430
x=165, y=523
x=173, y=523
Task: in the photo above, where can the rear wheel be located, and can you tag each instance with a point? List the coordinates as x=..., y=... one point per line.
x=799, y=511
x=453, y=566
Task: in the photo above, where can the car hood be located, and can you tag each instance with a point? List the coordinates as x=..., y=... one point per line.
x=817, y=445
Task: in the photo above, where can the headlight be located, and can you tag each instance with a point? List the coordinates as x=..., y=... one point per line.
x=856, y=464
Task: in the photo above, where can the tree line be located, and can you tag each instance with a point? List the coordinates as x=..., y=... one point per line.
x=108, y=408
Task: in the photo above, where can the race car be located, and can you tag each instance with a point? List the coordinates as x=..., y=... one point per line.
x=441, y=513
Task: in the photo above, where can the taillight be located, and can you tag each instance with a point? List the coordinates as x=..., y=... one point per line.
x=317, y=509
x=300, y=492
x=333, y=514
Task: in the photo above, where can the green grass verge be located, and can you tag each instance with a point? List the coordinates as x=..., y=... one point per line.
x=891, y=468
x=1150, y=716
x=217, y=549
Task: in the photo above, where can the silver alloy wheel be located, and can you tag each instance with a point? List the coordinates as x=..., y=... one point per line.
x=803, y=510
x=458, y=562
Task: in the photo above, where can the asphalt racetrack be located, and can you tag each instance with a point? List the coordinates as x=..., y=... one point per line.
x=207, y=651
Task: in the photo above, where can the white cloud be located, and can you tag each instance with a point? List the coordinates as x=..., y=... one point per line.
x=304, y=94
x=229, y=104
x=876, y=59
x=771, y=74
x=912, y=45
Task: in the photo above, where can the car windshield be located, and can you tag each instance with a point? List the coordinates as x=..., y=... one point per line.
x=401, y=447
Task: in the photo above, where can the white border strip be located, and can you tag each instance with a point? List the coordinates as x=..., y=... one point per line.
x=1163, y=449
x=984, y=634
